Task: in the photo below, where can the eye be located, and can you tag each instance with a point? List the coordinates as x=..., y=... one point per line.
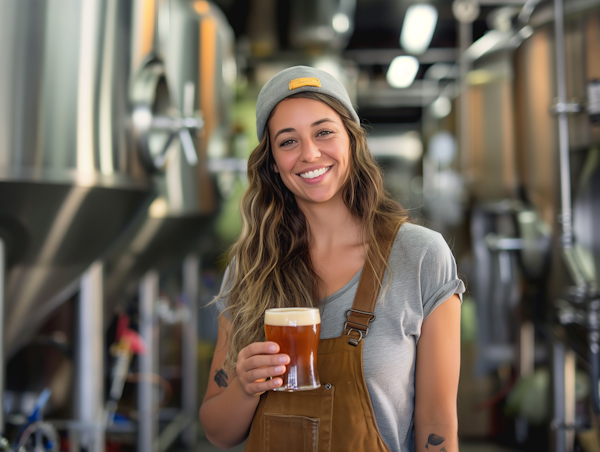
x=324, y=133
x=286, y=143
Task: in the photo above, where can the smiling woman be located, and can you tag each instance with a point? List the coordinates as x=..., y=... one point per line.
x=311, y=149
x=320, y=231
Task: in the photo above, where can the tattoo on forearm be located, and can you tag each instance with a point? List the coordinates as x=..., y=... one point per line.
x=434, y=440
x=221, y=378
x=443, y=449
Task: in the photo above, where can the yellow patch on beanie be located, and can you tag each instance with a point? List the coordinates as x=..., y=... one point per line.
x=305, y=81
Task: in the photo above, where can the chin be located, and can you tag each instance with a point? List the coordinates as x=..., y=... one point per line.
x=318, y=199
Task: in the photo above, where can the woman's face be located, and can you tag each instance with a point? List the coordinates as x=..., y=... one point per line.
x=311, y=148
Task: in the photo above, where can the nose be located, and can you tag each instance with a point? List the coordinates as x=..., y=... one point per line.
x=310, y=151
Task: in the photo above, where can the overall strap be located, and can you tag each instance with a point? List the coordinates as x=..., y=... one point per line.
x=361, y=315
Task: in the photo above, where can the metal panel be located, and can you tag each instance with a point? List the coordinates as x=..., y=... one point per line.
x=147, y=396
x=70, y=177
x=492, y=139
x=89, y=395
x=199, y=58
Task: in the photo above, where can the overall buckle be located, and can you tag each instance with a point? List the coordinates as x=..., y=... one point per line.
x=353, y=341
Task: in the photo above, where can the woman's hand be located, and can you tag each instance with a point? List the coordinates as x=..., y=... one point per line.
x=230, y=401
x=256, y=363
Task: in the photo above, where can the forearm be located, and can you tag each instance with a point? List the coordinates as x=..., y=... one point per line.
x=434, y=437
x=436, y=380
x=226, y=417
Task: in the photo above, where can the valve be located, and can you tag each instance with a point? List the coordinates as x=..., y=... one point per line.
x=156, y=124
x=180, y=127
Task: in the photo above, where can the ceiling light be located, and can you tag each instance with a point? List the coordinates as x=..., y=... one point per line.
x=441, y=107
x=402, y=71
x=341, y=23
x=418, y=27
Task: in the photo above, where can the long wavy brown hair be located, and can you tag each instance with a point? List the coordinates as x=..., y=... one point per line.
x=270, y=264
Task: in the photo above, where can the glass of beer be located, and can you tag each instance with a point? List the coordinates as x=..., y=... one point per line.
x=297, y=331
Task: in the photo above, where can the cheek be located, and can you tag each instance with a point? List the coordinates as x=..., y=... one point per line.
x=284, y=162
x=340, y=152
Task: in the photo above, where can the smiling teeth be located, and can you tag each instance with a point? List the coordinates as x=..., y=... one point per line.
x=313, y=174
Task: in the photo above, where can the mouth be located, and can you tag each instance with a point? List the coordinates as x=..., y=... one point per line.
x=315, y=173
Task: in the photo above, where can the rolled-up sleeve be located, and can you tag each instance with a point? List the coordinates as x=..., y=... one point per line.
x=439, y=276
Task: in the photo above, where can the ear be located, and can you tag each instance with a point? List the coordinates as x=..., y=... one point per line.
x=275, y=168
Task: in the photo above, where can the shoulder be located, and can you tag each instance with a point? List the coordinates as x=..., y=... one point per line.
x=414, y=242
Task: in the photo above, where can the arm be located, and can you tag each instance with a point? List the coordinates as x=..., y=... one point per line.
x=436, y=379
x=231, y=400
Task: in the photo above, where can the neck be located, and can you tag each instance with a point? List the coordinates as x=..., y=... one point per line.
x=330, y=224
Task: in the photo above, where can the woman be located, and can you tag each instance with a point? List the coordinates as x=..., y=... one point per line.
x=316, y=218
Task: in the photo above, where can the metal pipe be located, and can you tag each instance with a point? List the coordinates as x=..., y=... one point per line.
x=570, y=401
x=558, y=383
x=465, y=37
x=147, y=396
x=561, y=109
x=189, y=390
x=89, y=361
x=563, y=126
x=593, y=327
x=2, y=363
x=527, y=11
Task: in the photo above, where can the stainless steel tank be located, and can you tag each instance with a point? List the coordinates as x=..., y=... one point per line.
x=510, y=239
x=492, y=173
x=537, y=138
x=558, y=69
x=197, y=46
x=70, y=175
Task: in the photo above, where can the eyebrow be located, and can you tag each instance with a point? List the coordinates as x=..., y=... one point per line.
x=290, y=129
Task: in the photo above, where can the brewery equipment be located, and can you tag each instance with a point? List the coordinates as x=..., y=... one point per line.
x=545, y=77
x=69, y=181
x=196, y=45
x=103, y=154
x=193, y=72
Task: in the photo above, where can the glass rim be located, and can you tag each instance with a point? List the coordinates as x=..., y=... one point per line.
x=299, y=308
x=298, y=316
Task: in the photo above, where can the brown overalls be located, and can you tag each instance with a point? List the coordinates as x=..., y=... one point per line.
x=338, y=416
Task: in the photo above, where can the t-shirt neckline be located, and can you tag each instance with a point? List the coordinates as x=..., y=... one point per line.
x=334, y=296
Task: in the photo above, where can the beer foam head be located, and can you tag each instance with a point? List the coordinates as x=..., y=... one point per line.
x=292, y=316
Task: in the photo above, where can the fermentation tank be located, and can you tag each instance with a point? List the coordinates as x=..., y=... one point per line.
x=70, y=175
x=537, y=138
x=555, y=141
x=197, y=46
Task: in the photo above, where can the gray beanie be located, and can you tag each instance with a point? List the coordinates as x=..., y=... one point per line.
x=295, y=80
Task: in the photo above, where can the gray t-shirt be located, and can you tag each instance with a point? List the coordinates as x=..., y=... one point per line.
x=423, y=276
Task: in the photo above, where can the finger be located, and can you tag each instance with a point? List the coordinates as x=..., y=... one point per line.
x=257, y=374
x=260, y=387
x=257, y=361
x=259, y=348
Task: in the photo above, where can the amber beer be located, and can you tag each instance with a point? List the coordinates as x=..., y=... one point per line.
x=297, y=331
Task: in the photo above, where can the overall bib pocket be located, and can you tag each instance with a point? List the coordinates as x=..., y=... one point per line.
x=291, y=433
x=308, y=429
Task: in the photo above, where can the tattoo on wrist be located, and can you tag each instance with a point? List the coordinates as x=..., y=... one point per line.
x=443, y=449
x=221, y=378
x=435, y=440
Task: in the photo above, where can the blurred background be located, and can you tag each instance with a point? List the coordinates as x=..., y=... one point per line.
x=125, y=128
